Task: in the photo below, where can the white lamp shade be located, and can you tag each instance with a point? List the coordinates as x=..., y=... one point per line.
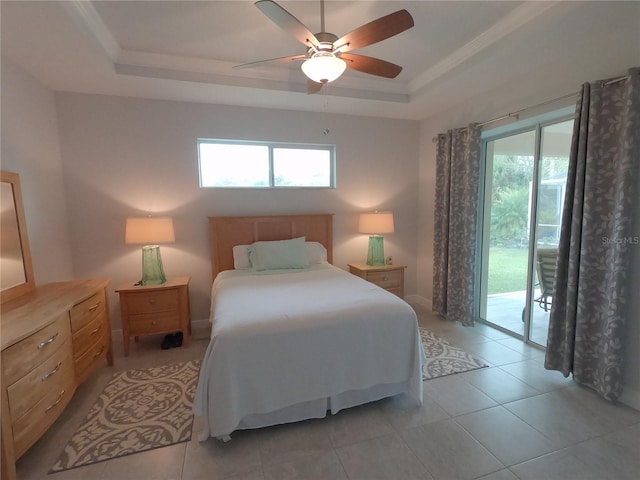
x=376, y=223
x=149, y=230
x=324, y=67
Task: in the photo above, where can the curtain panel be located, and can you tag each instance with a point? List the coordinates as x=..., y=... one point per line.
x=590, y=305
x=455, y=225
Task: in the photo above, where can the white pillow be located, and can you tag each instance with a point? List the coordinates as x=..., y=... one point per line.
x=278, y=255
x=241, y=257
x=316, y=253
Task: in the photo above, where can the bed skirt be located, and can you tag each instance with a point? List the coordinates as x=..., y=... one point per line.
x=315, y=408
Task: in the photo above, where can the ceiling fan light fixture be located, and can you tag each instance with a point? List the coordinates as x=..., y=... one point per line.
x=324, y=67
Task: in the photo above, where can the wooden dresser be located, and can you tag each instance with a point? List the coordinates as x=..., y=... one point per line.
x=52, y=339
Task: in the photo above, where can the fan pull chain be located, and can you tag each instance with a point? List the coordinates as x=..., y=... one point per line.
x=326, y=131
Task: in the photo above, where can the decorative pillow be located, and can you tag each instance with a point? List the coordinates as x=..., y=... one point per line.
x=279, y=255
x=316, y=253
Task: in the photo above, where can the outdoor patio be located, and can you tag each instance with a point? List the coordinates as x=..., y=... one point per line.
x=505, y=310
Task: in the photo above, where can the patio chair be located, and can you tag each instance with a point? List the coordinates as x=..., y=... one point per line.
x=546, y=269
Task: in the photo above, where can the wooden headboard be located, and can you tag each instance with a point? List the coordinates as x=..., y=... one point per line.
x=227, y=232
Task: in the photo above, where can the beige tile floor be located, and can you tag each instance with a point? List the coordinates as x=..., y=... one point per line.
x=513, y=420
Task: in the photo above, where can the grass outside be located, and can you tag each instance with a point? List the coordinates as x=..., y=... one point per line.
x=507, y=269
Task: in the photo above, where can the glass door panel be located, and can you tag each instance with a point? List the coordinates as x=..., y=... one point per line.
x=555, y=146
x=505, y=247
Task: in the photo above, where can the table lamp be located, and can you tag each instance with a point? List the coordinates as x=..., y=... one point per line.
x=376, y=223
x=150, y=231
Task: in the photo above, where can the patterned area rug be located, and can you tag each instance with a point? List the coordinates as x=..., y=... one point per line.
x=445, y=359
x=138, y=410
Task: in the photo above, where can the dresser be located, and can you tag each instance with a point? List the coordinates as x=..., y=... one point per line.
x=52, y=339
x=389, y=277
x=153, y=309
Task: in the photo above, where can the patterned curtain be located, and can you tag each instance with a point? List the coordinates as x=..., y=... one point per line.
x=588, y=315
x=456, y=219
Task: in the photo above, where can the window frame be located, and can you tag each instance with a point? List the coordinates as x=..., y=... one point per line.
x=331, y=148
x=536, y=124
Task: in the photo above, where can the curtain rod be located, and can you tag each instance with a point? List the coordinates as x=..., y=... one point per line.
x=615, y=80
x=517, y=113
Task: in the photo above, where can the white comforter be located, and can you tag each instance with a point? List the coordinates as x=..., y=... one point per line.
x=281, y=339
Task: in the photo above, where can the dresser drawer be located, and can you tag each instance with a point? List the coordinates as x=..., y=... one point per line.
x=152, y=302
x=386, y=280
x=86, y=311
x=52, y=374
x=21, y=358
x=88, y=336
x=86, y=362
x=154, y=323
x=30, y=426
x=396, y=291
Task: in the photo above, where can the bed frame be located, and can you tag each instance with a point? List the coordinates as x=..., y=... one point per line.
x=226, y=232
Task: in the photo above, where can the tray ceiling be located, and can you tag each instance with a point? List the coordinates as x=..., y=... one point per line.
x=186, y=50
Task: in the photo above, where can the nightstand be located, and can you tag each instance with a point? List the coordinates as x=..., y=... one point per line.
x=152, y=309
x=389, y=277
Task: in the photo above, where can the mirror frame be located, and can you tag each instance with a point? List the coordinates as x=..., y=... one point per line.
x=29, y=285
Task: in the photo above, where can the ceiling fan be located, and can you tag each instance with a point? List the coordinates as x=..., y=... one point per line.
x=327, y=55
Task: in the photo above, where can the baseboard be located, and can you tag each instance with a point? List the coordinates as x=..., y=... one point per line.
x=630, y=397
x=200, y=329
x=419, y=300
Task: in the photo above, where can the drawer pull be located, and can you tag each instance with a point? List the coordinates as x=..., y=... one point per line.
x=153, y=322
x=99, y=353
x=384, y=279
x=95, y=331
x=92, y=308
x=41, y=345
x=55, y=403
x=152, y=301
x=52, y=372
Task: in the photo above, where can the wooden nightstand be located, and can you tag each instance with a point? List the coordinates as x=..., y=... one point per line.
x=389, y=277
x=155, y=309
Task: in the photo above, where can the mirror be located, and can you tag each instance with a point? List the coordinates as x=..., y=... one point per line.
x=16, y=269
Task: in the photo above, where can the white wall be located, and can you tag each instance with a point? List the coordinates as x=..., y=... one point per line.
x=30, y=148
x=125, y=156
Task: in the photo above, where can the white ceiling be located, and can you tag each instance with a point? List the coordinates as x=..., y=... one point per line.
x=185, y=50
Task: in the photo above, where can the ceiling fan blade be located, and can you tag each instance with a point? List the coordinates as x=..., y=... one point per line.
x=287, y=22
x=313, y=87
x=277, y=59
x=376, y=31
x=370, y=65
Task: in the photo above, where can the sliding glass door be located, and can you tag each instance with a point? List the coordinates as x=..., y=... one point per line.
x=525, y=178
x=505, y=253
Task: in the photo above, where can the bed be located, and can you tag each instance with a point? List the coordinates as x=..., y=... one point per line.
x=289, y=344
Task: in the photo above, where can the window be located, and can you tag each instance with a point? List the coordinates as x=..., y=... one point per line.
x=232, y=164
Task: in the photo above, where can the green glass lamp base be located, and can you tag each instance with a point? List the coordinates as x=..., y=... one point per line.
x=152, y=270
x=375, y=255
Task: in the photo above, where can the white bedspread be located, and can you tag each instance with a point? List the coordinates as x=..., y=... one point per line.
x=283, y=339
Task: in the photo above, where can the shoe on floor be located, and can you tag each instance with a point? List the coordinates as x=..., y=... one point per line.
x=171, y=340
x=167, y=341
